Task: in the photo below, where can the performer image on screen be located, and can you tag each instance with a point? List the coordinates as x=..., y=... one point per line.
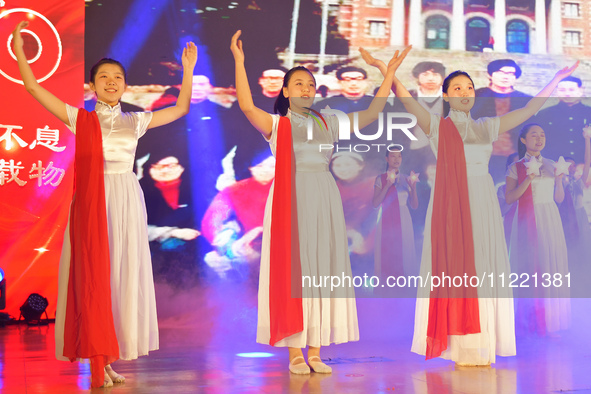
x=497, y=99
x=467, y=325
x=111, y=314
x=233, y=222
x=563, y=121
x=355, y=188
x=354, y=89
x=395, y=241
x=308, y=237
x=429, y=76
x=575, y=219
x=537, y=237
x=171, y=228
x=507, y=210
x=271, y=82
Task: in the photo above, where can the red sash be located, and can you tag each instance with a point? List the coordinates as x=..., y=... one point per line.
x=531, y=313
x=89, y=330
x=391, y=243
x=452, y=311
x=285, y=274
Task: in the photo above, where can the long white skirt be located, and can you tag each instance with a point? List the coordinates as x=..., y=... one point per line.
x=323, y=251
x=497, y=336
x=133, y=299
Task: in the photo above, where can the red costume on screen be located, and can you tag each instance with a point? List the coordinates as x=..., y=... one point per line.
x=391, y=242
x=527, y=250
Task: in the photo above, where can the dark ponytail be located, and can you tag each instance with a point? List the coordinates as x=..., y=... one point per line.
x=282, y=103
x=521, y=149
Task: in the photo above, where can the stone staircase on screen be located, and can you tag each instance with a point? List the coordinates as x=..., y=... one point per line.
x=537, y=69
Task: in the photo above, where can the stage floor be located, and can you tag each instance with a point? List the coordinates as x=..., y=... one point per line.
x=203, y=331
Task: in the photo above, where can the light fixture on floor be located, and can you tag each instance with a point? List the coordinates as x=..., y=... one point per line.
x=33, y=308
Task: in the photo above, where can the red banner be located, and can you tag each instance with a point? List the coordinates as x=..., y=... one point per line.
x=36, y=149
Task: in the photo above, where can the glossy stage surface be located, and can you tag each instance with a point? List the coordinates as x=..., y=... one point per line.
x=207, y=344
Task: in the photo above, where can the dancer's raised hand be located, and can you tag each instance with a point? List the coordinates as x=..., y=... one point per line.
x=397, y=59
x=189, y=57
x=17, y=39
x=372, y=61
x=565, y=72
x=236, y=47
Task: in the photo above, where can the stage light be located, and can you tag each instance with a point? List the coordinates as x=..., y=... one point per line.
x=255, y=354
x=33, y=308
x=132, y=36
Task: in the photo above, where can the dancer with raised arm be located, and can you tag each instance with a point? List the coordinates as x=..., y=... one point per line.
x=464, y=228
x=304, y=232
x=106, y=302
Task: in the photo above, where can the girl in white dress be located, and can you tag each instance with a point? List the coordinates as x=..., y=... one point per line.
x=448, y=323
x=316, y=316
x=545, y=247
x=400, y=259
x=131, y=328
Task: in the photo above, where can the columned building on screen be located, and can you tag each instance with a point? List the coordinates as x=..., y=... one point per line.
x=510, y=26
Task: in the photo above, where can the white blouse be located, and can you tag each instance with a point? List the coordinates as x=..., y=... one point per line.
x=120, y=130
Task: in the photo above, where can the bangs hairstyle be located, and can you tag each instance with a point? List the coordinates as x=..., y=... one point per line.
x=282, y=103
x=521, y=149
x=450, y=77
x=106, y=60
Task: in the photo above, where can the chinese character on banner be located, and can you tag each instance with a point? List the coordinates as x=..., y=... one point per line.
x=36, y=172
x=8, y=135
x=48, y=138
x=9, y=168
x=51, y=175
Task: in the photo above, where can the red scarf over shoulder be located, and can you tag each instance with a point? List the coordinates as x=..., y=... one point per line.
x=452, y=310
x=285, y=273
x=89, y=331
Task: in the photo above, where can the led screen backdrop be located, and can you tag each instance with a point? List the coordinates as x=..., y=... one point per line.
x=220, y=166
